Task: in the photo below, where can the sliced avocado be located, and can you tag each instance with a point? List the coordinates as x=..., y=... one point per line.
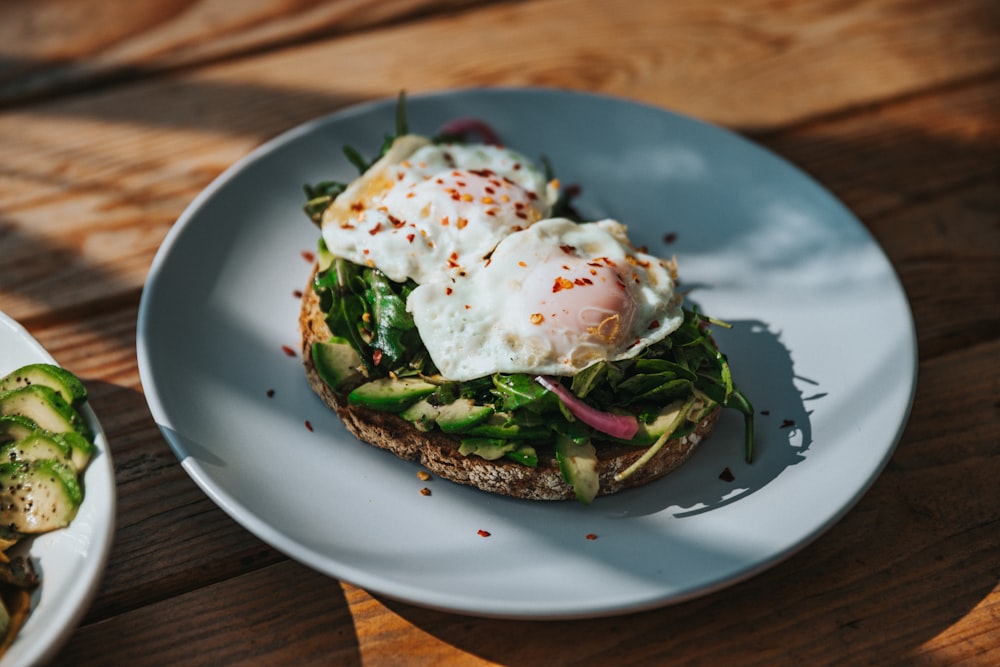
x=490, y=449
x=665, y=422
x=38, y=496
x=524, y=454
x=462, y=414
x=336, y=362
x=578, y=465
x=47, y=375
x=37, y=446
x=422, y=414
x=500, y=425
x=390, y=395
x=45, y=407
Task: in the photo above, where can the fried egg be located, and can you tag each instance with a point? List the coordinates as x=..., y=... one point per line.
x=427, y=210
x=550, y=299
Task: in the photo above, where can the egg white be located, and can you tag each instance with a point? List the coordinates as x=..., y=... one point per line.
x=550, y=299
x=425, y=210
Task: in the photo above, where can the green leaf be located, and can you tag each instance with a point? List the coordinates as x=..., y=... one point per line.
x=516, y=391
x=389, y=319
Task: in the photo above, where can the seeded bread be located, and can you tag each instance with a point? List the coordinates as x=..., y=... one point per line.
x=438, y=451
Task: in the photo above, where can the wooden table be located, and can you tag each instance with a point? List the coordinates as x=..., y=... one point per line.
x=114, y=115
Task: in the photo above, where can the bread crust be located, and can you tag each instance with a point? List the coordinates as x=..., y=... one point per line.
x=438, y=451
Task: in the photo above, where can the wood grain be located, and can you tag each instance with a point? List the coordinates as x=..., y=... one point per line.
x=65, y=45
x=890, y=104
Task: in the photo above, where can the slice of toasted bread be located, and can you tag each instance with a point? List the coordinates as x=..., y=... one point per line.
x=438, y=451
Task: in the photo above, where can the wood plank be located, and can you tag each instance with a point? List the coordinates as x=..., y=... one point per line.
x=65, y=45
x=283, y=615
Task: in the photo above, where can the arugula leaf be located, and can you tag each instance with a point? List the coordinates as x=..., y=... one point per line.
x=389, y=319
x=517, y=391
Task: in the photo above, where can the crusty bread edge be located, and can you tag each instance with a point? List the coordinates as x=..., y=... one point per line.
x=438, y=452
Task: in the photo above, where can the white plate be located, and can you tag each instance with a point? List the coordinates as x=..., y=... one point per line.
x=822, y=337
x=70, y=561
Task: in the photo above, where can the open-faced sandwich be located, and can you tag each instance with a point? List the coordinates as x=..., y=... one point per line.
x=462, y=315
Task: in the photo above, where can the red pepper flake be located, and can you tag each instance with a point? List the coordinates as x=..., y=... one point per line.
x=517, y=166
x=462, y=223
x=357, y=206
x=561, y=284
x=655, y=324
x=270, y=393
x=787, y=423
x=376, y=356
x=482, y=533
x=309, y=426
x=396, y=222
x=308, y=256
x=670, y=237
x=410, y=237
x=583, y=281
x=448, y=291
x=591, y=536
x=568, y=249
x=726, y=475
x=376, y=229
x=297, y=293
x=425, y=491
x=288, y=351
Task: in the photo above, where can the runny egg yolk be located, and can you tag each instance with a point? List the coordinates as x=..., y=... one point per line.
x=577, y=300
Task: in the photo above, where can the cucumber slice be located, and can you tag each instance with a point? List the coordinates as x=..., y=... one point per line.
x=38, y=496
x=19, y=427
x=81, y=449
x=38, y=446
x=47, y=375
x=390, y=395
x=45, y=407
x=16, y=427
x=578, y=465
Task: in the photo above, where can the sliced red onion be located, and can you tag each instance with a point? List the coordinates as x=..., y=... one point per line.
x=461, y=126
x=618, y=426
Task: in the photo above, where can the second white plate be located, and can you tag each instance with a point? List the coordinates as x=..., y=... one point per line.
x=70, y=561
